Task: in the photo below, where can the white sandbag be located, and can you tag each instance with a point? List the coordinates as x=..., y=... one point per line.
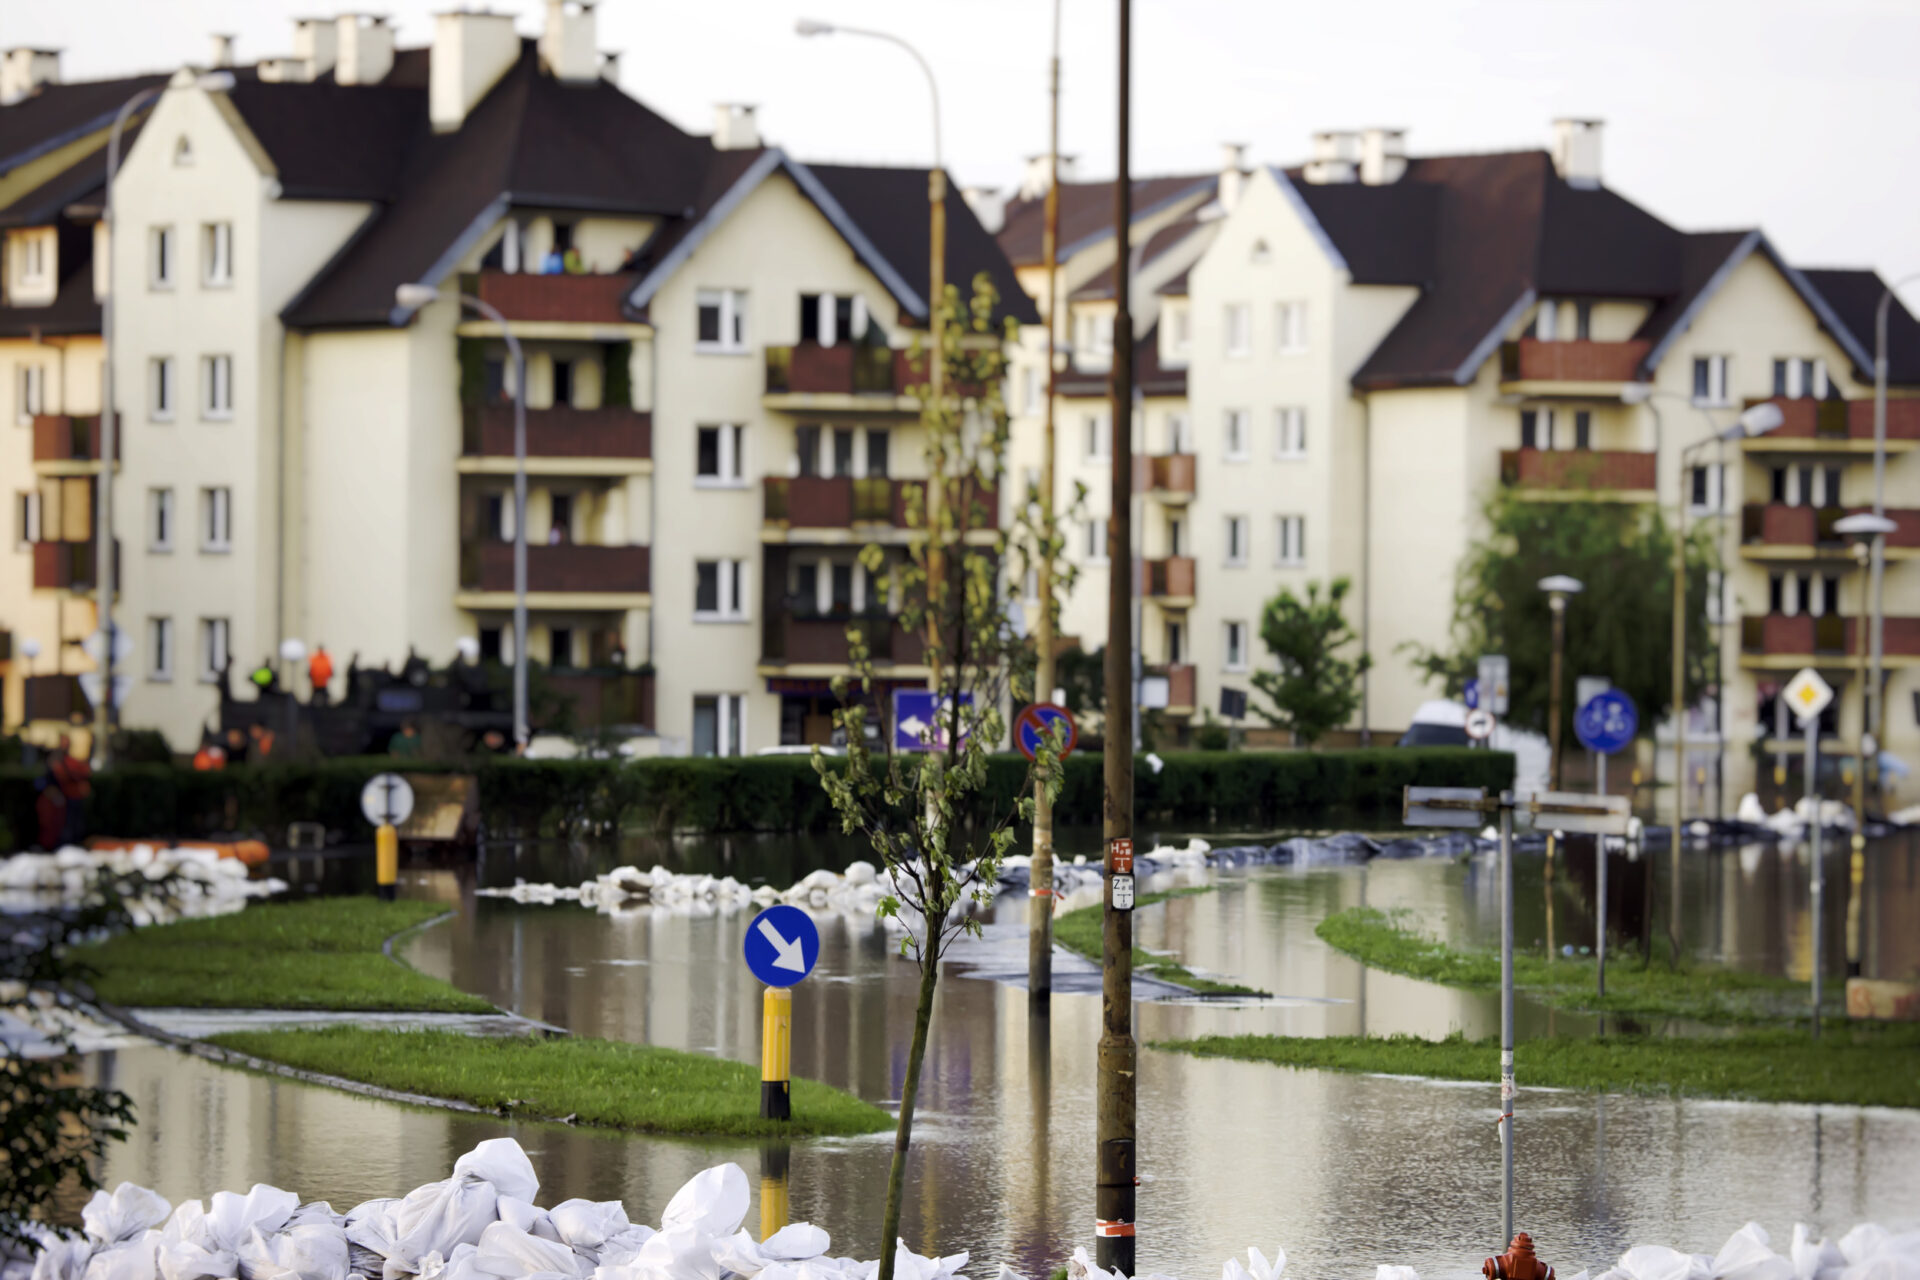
x=440, y=1216
x=586, y=1225
x=1656, y=1262
x=62, y=1257
x=1081, y=1267
x=908, y=1265
x=129, y=1260
x=1386, y=1271
x=231, y=1218
x=1747, y=1255
x=310, y=1251
x=684, y=1252
x=1260, y=1269
x=1812, y=1258
x=510, y=1253
x=531, y=1219
x=190, y=1260
x=713, y=1202
x=502, y=1162
x=126, y=1213
x=796, y=1242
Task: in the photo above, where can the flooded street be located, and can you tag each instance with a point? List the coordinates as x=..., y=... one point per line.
x=1342, y=1171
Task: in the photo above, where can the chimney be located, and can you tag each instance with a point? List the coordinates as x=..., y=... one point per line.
x=313, y=44
x=988, y=205
x=220, y=51
x=23, y=70
x=1033, y=179
x=567, y=47
x=734, y=127
x=610, y=66
x=472, y=49
x=1576, y=150
x=1233, y=162
x=1383, y=156
x=1336, y=156
x=365, y=45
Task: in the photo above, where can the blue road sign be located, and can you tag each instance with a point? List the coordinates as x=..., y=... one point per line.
x=1606, y=722
x=1471, y=695
x=921, y=719
x=782, y=945
x=1034, y=723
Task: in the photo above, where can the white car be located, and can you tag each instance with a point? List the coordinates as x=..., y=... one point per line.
x=1443, y=723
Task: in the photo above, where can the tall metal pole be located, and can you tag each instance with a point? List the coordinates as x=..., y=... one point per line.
x=1040, y=876
x=1600, y=888
x=1114, y=1194
x=1506, y=1015
x=1856, y=860
x=1679, y=707
x=1813, y=857
x=1557, y=605
x=520, y=727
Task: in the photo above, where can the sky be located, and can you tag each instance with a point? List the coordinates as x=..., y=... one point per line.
x=1802, y=118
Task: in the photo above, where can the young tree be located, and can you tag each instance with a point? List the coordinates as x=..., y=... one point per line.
x=1315, y=688
x=921, y=810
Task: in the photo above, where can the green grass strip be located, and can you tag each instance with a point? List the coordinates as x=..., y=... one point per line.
x=1389, y=942
x=636, y=1088
x=1079, y=932
x=321, y=953
x=1850, y=1063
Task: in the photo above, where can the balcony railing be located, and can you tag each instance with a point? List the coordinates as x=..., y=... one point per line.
x=60, y=437
x=1181, y=678
x=55, y=698
x=559, y=432
x=1171, y=578
x=795, y=638
x=573, y=567
x=1537, y=360
x=554, y=299
x=840, y=502
x=66, y=566
x=1776, y=524
x=1805, y=418
x=606, y=697
x=845, y=368
x=1167, y=473
x=1577, y=469
x=1831, y=635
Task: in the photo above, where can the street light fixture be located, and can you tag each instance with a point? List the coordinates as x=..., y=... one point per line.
x=413, y=297
x=1869, y=534
x=1558, y=588
x=1878, y=629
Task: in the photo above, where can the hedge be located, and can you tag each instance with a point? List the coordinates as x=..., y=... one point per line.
x=755, y=793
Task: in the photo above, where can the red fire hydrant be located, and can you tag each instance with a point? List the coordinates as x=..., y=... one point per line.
x=1517, y=1263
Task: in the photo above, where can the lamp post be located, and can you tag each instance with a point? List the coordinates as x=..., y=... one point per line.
x=1869, y=533
x=106, y=570
x=1877, y=633
x=413, y=297
x=1558, y=588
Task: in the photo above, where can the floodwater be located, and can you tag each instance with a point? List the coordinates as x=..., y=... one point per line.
x=1342, y=1171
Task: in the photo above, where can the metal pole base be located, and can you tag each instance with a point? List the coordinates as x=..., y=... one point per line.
x=776, y=1100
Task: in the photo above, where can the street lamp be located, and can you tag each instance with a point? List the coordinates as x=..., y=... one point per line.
x=1869, y=534
x=1558, y=588
x=413, y=297
x=106, y=571
x=1878, y=630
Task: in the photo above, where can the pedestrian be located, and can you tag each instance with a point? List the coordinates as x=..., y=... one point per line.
x=320, y=674
x=61, y=806
x=406, y=744
x=265, y=677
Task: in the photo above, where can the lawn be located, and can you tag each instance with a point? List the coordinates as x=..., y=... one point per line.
x=1079, y=931
x=1860, y=1065
x=635, y=1088
x=1388, y=941
x=323, y=953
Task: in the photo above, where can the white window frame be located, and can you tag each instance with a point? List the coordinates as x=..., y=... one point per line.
x=1290, y=432
x=163, y=388
x=734, y=335
x=216, y=388
x=36, y=269
x=1180, y=432
x=1239, y=531
x=1096, y=544
x=1233, y=636
x=1099, y=428
x=160, y=650
x=730, y=722
x=1238, y=330
x=216, y=255
x=1180, y=321
x=732, y=589
x=216, y=520
x=732, y=457
x=1237, y=427
x=31, y=520
x=216, y=648
x=31, y=389
x=1290, y=325
x=1030, y=398
x=163, y=257
x=1290, y=541
x=1718, y=369
x=160, y=520
x=1716, y=474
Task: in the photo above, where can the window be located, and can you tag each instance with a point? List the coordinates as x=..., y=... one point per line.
x=722, y=322
x=1717, y=611
x=160, y=649
x=33, y=391
x=559, y=519
x=216, y=519
x=1094, y=347
x=1261, y=253
x=1582, y=429
x=491, y=644
x=213, y=649
x=160, y=257
x=1236, y=541
x=1030, y=391
x=1176, y=535
x=1180, y=433
x=720, y=591
x=560, y=646
x=1239, y=448
x=806, y=450
x=1099, y=437
x=1546, y=319
x=1096, y=546
x=1236, y=646
x=1239, y=329
x=562, y=384
x=1182, y=335
x=161, y=378
x=1795, y=378
x=1706, y=486
x=720, y=724
x=182, y=152
x=1776, y=592
x=1176, y=642
x=720, y=456
x=1710, y=380
x=1583, y=321
x=1531, y=420
x=1290, y=321
x=34, y=260
x=1777, y=490
x=843, y=451
x=216, y=254
x=496, y=511
x=1290, y=540
x=160, y=520
x=879, y=452
x=828, y=318
x=26, y=516
x=216, y=383
x=1290, y=433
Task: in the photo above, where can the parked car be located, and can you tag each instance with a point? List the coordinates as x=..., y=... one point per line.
x=1443, y=723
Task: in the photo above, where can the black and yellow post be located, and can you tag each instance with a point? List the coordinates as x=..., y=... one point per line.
x=774, y=1160
x=386, y=860
x=776, y=1055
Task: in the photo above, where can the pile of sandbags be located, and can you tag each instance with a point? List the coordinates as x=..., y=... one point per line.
x=200, y=881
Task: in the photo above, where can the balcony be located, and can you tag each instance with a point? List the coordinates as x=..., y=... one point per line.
x=1579, y=471
x=59, y=437
x=1776, y=531
x=1838, y=426
x=602, y=698
x=1777, y=640
x=1170, y=581
x=65, y=566
x=1181, y=687
x=572, y=568
x=1564, y=365
x=1169, y=477
x=554, y=299
x=836, y=502
x=789, y=639
x=846, y=376
x=608, y=433
x=56, y=698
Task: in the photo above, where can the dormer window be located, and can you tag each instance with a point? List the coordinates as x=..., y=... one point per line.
x=182, y=152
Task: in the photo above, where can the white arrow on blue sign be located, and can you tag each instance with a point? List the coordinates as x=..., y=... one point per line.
x=782, y=945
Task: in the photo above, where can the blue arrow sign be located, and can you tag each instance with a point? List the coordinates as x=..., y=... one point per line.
x=1471, y=695
x=1606, y=722
x=922, y=717
x=782, y=945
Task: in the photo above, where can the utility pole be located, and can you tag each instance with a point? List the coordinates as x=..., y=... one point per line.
x=1040, y=874
x=1114, y=1196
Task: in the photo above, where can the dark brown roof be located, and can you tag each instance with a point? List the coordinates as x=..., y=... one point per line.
x=56, y=114
x=1086, y=213
x=74, y=308
x=79, y=183
x=1854, y=295
x=1150, y=377
x=335, y=142
x=1158, y=245
x=1702, y=256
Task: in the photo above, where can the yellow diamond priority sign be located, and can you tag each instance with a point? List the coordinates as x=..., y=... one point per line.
x=1808, y=694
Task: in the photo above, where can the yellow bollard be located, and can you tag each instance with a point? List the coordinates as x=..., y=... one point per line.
x=776, y=1055
x=386, y=860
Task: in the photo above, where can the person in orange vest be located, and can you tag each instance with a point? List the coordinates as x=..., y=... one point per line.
x=320, y=674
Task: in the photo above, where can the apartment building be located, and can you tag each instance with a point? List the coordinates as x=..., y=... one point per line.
x=1340, y=361
x=717, y=345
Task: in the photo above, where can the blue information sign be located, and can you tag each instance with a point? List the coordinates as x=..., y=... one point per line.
x=1606, y=722
x=921, y=718
x=782, y=945
x=1471, y=695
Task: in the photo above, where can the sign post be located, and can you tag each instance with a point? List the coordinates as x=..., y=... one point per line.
x=1605, y=723
x=782, y=947
x=387, y=801
x=1809, y=695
